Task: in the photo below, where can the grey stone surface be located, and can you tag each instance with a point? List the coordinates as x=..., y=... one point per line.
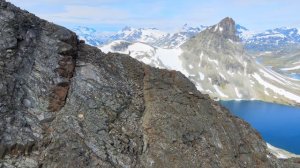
x=108, y=111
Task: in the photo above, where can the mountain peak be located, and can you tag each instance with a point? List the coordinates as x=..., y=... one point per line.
x=219, y=38
x=126, y=28
x=84, y=30
x=226, y=28
x=228, y=25
x=227, y=22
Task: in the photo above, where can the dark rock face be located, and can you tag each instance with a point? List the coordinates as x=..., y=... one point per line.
x=30, y=53
x=110, y=110
x=227, y=28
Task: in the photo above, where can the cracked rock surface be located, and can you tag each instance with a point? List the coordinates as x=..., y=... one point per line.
x=66, y=104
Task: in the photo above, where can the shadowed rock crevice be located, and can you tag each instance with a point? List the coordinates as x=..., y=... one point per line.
x=65, y=71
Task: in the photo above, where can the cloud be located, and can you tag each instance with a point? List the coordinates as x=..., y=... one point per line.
x=88, y=14
x=164, y=14
x=62, y=3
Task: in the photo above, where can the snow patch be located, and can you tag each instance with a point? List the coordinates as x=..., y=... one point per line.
x=208, y=91
x=266, y=92
x=237, y=92
x=219, y=91
x=220, y=29
x=230, y=73
x=222, y=75
x=280, y=153
x=216, y=28
x=266, y=74
x=137, y=49
x=201, y=58
x=199, y=87
x=201, y=75
x=212, y=60
x=271, y=35
x=298, y=62
x=290, y=69
x=170, y=58
x=146, y=60
x=277, y=90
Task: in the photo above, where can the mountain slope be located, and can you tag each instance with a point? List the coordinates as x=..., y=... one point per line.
x=229, y=72
x=215, y=60
x=145, y=35
x=286, y=61
x=89, y=35
x=151, y=36
x=67, y=104
x=177, y=39
x=270, y=40
x=244, y=33
x=273, y=39
x=154, y=56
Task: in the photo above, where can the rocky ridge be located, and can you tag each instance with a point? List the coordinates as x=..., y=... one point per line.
x=66, y=104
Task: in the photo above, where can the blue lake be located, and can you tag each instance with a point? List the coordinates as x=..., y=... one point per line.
x=294, y=75
x=278, y=124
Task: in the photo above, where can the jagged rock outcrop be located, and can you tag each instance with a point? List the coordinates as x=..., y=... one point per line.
x=34, y=78
x=226, y=28
x=67, y=104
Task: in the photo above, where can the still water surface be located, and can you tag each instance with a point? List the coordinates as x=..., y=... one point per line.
x=278, y=124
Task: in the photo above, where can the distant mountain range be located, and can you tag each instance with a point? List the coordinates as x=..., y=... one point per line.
x=214, y=59
x=272, y=39
x=151, y=36
x=89, y=35
x=269, y=40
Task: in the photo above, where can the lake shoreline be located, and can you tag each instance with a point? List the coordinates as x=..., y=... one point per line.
x=277, y=123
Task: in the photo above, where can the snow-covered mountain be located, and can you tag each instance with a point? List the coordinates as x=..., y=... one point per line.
x=155, y=37
x=223, y=62
x=218, y=65
x=154, y=56
x=244, y=33
x=269, y=40
x=138, y=50
x=89, y=35
x=285, y=61
x=151, y=36
x=273, y=39
x=145, y=35
x=178, y=38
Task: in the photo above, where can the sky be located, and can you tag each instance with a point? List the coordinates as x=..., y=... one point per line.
x=167, y=15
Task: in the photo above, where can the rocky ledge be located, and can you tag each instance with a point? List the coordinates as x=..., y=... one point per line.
x=66, y=104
